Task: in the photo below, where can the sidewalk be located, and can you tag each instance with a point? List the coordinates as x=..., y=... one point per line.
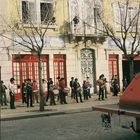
x=22, y=112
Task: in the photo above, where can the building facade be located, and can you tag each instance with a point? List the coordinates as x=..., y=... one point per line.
x=74, y=46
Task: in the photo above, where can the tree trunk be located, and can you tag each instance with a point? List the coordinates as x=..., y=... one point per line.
x=131, y=69
x=40, y=83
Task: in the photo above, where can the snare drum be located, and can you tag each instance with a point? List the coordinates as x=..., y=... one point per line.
x=67, y=90
x=56, y=91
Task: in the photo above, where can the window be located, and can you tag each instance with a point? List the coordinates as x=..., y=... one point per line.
x=97, y=13
x=46, y=12
x=25, y=11
x=28, y=11
x=37, y=11
x=120, y=15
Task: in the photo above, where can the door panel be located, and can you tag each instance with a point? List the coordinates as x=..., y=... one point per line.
x=59, y=66
x=26, y=66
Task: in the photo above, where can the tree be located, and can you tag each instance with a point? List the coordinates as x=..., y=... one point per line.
x=30, y=33
x=129, y=28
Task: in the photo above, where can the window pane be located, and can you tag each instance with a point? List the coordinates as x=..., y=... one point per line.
x=46, y=12
x=25, y=11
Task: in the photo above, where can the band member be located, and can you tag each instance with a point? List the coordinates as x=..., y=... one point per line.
x=44, y=90
x=48, y=86
x=89, y=86
x=3, y=98
x=72, y=88
x=62, y=94
x=52, y=99
x=115, y=87
x=29, y=93
x=85, y=90
x=12, y=93
x=101, y=84
x=57, y=89
x=35, y=91
x=24, y=91
x=77, y=90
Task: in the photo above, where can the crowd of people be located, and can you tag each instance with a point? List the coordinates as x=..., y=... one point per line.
x=57, y=92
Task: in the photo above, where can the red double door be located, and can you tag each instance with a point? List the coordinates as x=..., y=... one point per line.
x=26, y=66
x=113, y=66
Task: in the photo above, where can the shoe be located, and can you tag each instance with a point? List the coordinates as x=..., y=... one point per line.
x=31, y=106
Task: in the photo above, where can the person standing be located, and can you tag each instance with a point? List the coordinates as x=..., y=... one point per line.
x=89, y=86
x=62, y=94
x=35, y=91
x=24, y=91
x=85, y=90
x=3, y=94
x=52, y=99
x=29, y=93
x=48, y=86
x=77, y=90
x=57, y=89
x=12, y=93
x=72, y=88
x=125, y=83
x=115, y=87
x=101, y=84
x=44, y=90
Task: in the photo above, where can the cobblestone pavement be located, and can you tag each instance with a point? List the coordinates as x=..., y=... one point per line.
x=79, y=126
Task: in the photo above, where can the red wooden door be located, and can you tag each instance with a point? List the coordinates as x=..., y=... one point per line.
x=113, y=66
x=26, y=66
x=59, y=65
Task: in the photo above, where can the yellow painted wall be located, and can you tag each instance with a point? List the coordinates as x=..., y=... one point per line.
x=61, y=14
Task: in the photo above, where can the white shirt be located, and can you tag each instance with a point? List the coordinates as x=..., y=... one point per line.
x=12, y=87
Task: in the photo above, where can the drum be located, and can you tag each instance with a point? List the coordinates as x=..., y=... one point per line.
x=56, y=91
x=67, y=90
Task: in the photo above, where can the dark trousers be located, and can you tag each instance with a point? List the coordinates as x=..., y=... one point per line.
x=52, y=100
x=76, y=94
x=85, y=93
x=23, y=98
x=3, y=99
x=29, y=99
x=48, y=96
x=62, y=97
x=72, y=93
x=12, y=102
x=101, y=94
x=115, y=92
x=88, y=90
